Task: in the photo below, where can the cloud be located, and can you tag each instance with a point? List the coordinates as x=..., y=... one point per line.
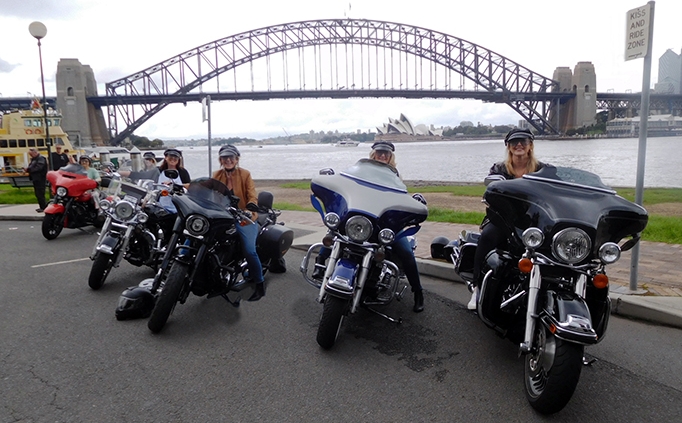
x=6, y=67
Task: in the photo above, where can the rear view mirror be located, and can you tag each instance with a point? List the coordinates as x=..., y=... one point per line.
x=171, y=173
x=492, y=178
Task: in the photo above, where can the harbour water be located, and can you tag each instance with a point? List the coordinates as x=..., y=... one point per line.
x=615, y=160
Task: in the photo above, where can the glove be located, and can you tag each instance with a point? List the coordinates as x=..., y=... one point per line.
x=419, y=198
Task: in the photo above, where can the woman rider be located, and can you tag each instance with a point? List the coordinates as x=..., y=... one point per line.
x=520, y=160
x=238, y=180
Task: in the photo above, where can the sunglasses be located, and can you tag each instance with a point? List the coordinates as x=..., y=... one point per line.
x=523, y=141
x=230, y=157
x=382, y=152
x=172, y=157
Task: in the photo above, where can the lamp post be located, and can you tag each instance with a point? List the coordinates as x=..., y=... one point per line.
x=39, y=31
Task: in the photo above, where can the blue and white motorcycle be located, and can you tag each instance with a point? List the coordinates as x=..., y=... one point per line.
x=366, y=209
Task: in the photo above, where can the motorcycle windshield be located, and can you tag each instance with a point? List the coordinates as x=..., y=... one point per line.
x=74, y=168
x=558, y=197
x=370, y=188
x=205, y=195
x=125, y=190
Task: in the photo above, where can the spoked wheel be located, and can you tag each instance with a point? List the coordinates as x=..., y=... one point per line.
x=168, y=297
x=330, y=323
x=551, y=372
x=101, y=267
x=52, y=225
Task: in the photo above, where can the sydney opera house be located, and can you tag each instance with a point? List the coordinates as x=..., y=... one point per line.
x=402, y=129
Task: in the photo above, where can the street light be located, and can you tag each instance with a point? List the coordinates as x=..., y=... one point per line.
x=39, y=31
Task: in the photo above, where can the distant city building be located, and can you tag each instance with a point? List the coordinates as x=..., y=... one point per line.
x=669, y=73
x=658, y=125
x=403, y=126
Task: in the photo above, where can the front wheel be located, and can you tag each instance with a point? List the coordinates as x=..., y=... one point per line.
x=551, y=372
x=168, y=297
x=330, y=323
x=52, y=226
x=101, y=267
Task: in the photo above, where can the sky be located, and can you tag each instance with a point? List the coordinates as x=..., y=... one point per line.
x=119, y=38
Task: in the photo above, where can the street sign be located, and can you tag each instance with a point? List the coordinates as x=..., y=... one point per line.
x=637, y=35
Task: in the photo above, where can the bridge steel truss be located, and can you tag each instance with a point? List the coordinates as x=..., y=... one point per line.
x=400, y=60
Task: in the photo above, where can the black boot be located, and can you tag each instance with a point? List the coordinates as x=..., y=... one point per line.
x=318, y=272
x=258, y=293
x=418, y=301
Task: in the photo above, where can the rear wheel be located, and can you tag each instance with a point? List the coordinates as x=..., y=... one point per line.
x=101, y=267
x=168, y=297
x=52, y=226
x=551, y=372
x=330, y=323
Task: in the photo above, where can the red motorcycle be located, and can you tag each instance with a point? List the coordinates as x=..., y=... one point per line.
x=73, y=204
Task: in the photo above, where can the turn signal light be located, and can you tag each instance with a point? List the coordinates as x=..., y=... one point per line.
x=164, y=193
x=600, y=281
x=328, y=241
x=525, y=265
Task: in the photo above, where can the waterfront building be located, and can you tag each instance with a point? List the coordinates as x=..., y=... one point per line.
x=402, y=129
x=669, y=73
x=658, y=126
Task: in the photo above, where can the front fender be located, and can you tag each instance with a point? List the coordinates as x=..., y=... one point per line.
x=53, y=208
x=109, y=243
x=566, y=315
x=342, y=281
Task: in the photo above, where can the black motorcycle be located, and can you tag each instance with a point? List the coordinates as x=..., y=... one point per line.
x=547, y=288
x=136, y=228
x=204, y=255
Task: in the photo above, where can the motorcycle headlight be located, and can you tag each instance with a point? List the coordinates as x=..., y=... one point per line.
x=532, y=237
x=124, y=210
x=61, y=191
x=358, y=228
x=386, y=236
x=609, y=253
x=105, y=205
x=571, y=245
x=332, y=220
x=142, y=217
x=196, y=225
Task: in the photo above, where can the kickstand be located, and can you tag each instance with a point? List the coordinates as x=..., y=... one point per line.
x=399, y=320
x=588, y=361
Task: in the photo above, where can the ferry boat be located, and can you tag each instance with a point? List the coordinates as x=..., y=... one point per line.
x=24, y=129
x=347, y=142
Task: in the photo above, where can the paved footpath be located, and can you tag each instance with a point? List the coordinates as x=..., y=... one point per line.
x=658, y=297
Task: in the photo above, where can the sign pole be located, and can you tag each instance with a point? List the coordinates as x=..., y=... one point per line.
x=206, y=103
x=639, y=40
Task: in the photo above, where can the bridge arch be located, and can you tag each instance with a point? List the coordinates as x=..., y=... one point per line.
x=397, y=48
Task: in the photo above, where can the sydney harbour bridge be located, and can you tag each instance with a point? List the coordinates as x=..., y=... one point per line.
x=338, y=59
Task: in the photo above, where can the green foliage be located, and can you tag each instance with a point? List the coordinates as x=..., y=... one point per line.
x=453, y=216
x=476, y=190
x=298, y=185
x=11, y=195
x=293, y=207
x=666, y=229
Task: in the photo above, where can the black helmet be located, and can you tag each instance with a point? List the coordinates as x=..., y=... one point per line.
x=228, y=150
x=383, y=145
x=173, y=152
x=437, y=246
x=149, y=155
x=135, y=302
x=518, y=133
x=109, y=166
x=84, y=157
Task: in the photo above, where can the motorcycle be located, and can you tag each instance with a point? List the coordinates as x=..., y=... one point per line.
x=547, y=288
x=365, y=208
x=136, y=228
x=204, y=255
x=73, y=204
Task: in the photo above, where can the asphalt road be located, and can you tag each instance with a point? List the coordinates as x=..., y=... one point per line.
x=65, y=358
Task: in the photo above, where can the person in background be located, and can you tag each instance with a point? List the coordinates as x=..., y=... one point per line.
x=59, y=158
x=520, y=160
x=150, y=171
x=172, y=159
x=37, y=173
x=86, y=162
x=238, y=180
x=383, y=151
x=72, y=157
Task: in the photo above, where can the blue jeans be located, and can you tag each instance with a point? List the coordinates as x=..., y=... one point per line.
x=248, y=236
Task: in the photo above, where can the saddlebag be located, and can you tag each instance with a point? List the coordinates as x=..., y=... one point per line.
x=274, y=241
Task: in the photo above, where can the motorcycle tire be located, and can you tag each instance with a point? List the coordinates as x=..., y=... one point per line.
x=52, y=226
x=277, y=265
x=101, y=267
x=168, y=297
x=330, y=323
x=551, y=372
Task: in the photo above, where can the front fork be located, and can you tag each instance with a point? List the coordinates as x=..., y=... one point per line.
x=531, y=315
x=360, y=278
